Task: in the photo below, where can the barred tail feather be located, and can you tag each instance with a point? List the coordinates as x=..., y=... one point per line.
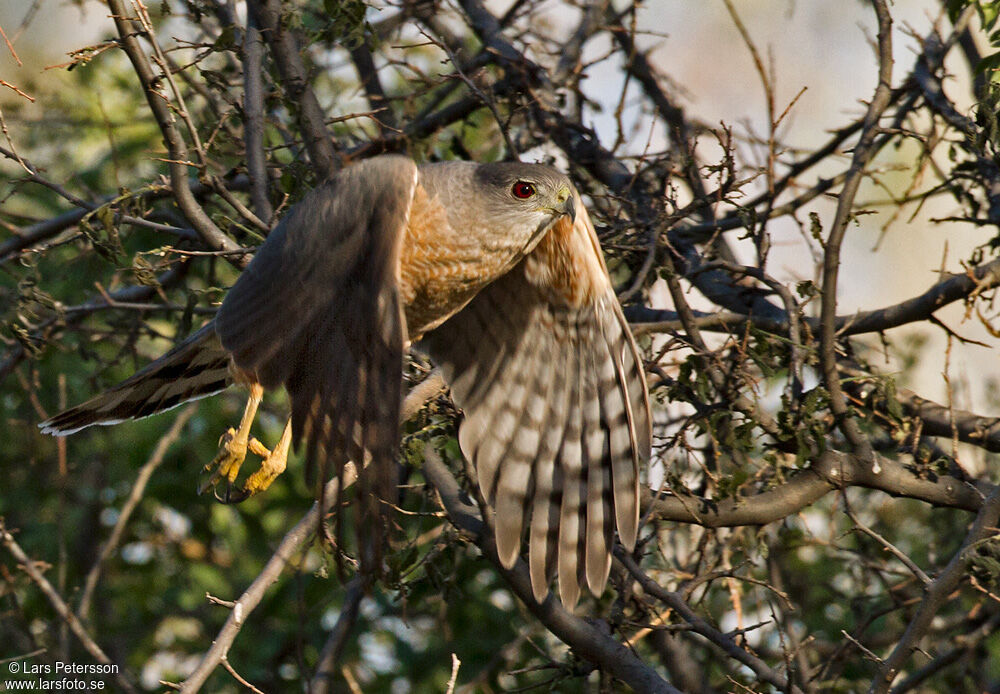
x=196, y=368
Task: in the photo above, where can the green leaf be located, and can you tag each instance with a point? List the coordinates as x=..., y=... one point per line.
x=954, y=8
x=816, y=227
x=806, y=289
x=988, y=13
x=227, y=39
x=988, y=63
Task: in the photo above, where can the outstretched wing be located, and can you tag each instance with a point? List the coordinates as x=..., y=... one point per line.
x=556, y=410
x=318, y=311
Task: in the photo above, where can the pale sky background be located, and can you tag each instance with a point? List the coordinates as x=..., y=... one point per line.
x=825, y=48
x=821, y=46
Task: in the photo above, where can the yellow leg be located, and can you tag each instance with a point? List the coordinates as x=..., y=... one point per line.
x=274, y=462
x=234, y=446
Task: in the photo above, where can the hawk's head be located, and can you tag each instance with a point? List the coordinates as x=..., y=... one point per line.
x=526, y=193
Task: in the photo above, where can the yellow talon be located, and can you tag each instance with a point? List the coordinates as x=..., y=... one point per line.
x=273, y=464
x=234, y=444
x=257, y=448
x=227, y=462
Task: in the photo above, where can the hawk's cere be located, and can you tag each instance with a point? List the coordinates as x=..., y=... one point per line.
x=497, y=271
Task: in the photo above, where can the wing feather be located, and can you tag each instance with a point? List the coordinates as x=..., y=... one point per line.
x=628, y=425
x=599, y=536
x=570, y=465
x=551, y=331
x=516, y=485
x=547, y=495
x=318, y=310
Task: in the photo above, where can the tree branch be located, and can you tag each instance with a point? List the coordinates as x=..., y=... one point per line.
x=937, y=593
x=211, y=235
x=863, y=152
x=831, y=471
x=253, y=123
x=582, y=636
x=295, y=82
x=61, y=608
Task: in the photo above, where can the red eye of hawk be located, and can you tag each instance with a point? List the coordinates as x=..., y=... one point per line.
x=522, y=190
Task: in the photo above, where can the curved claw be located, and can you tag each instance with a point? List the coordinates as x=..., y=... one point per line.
x=227, y=462
x=233, y=495
x=212, y=481
x=233, y=446
x=226, y=466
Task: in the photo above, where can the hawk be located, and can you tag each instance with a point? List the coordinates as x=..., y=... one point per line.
x=495, y=271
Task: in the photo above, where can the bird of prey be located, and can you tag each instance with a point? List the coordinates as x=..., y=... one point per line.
x=493, y=269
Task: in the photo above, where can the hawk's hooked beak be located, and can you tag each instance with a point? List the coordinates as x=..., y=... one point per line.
x=565, y=196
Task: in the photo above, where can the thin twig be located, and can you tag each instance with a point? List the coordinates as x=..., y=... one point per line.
x=936, y=594
x=10, y=47
x=62, y=609
x=582, y=636
x=863, y=151
x=135, y=496
x=455, y=664
x=329, y=657
x=722, y=641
